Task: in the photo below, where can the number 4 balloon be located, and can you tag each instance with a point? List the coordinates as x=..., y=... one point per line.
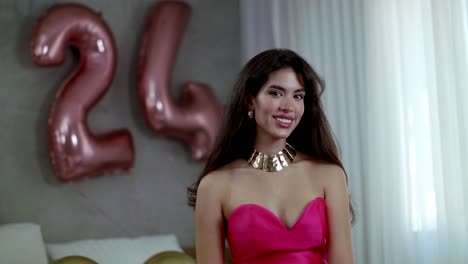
x=197, y=118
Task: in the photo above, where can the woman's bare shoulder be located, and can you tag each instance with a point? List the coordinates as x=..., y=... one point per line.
x=324, y=170
x=220, y=178
x=332, y=176
x=330, y=169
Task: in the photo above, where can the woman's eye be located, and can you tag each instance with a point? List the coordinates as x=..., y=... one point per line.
x=299, y=96
x=275, y=93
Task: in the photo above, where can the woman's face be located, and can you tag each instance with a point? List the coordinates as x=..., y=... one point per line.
x=279, y=105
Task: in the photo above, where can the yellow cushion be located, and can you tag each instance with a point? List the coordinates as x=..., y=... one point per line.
x=170, y=257
x=75, y=260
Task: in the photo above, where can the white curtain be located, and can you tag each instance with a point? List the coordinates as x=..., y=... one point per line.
x=397, y=98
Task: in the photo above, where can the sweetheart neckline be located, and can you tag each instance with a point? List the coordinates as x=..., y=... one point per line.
x=299, y=217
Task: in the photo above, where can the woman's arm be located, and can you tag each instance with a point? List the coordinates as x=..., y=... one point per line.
x=209, y=221
x=340, y=248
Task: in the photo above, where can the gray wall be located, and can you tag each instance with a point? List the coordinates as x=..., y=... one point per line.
x=151, y=198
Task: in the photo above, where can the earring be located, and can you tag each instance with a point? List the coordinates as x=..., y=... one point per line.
x=250, y=114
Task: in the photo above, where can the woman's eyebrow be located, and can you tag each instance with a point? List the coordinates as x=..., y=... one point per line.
x=283, y=89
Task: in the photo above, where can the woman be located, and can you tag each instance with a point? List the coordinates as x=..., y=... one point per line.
x=274, y=185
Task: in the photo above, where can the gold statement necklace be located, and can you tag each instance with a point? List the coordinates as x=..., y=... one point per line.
x=272, y=163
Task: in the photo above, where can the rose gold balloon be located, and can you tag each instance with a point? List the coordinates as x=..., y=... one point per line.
x=196, y=120
x=75, y=152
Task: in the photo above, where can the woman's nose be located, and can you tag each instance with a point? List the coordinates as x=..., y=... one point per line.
x=286, y=105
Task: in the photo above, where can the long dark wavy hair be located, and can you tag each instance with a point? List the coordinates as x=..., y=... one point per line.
x=313, y=135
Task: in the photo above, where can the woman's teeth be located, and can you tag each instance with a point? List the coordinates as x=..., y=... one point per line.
x=283, y=120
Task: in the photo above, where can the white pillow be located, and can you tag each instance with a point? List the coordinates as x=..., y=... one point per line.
x=22, y=243
x=116, y=250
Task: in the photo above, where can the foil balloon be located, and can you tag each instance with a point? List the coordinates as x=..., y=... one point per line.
x=75, y=152
x=197, y=117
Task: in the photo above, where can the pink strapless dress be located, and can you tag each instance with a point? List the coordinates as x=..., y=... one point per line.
x=257, y=236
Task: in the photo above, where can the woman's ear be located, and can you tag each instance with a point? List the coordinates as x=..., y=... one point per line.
x=248, y=102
